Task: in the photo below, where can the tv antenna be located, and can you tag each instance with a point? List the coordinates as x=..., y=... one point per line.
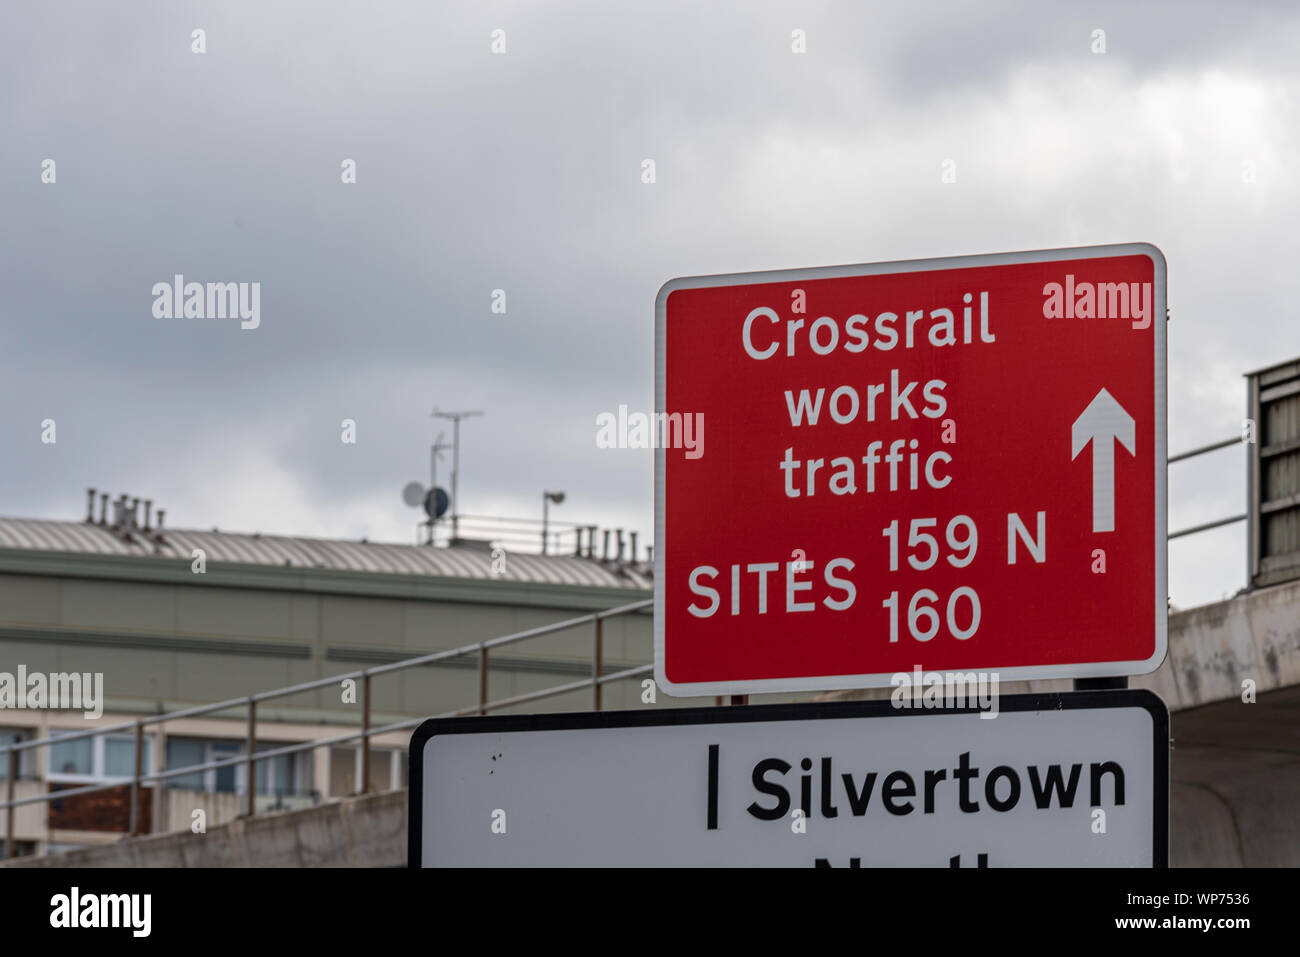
x=455, y=464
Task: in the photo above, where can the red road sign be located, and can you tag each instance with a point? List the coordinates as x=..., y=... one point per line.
x=957, y=464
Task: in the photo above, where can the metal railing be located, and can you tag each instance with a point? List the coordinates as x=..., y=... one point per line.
x=1205, y=527
x=482, y=649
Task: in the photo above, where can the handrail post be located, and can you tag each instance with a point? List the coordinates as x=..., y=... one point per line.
x=482, y=678
x=135, y=779
x=365, y=736
x=597, y=654
x=252, y=745
x=9, y=797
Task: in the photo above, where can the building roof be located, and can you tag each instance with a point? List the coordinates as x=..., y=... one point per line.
x=475, y=562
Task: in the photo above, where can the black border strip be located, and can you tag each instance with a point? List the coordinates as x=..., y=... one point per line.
x=1149, y=701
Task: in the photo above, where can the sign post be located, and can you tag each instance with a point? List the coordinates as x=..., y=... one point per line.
x=955, y=464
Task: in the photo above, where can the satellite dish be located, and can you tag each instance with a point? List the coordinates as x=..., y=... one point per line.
x=436, y=503
x=413, y=494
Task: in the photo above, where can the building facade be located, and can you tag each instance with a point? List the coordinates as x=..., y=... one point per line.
x=181, y=618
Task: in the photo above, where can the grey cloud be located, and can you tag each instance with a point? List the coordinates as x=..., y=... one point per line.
x=520, y=172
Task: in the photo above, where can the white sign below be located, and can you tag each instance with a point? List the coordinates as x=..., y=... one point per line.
x=1054, y=780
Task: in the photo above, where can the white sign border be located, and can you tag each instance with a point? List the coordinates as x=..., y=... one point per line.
x=1019, y=673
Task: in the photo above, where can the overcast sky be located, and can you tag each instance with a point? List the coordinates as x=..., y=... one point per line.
x=522, y=172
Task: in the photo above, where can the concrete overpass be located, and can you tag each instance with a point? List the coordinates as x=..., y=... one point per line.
x=1232, y=805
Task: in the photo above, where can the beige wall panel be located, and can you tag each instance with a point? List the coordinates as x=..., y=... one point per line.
x=29, y=600
x=424, y=692
x=361, y=622
x=37, y=656
x=212, y=677
x=125, y=606
x=240, y=613
x=430, y=626
x=129, y=673
x=304, y=619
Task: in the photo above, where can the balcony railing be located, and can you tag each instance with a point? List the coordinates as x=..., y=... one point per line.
x=482, y=650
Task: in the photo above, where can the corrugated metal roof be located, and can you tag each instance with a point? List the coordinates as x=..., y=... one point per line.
x=295, y=552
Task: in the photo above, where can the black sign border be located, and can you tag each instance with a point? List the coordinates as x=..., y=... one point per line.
x=1149, y=701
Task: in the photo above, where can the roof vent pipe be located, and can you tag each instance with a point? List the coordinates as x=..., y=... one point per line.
x=103, y=507
x=604, y=546
x=90, y=504
x=161, y=513
x=577, y=542
x=591, y=541
x=148, y=512
x=620, y=545
x=633, y=552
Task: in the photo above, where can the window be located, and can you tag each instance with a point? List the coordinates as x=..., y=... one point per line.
x=104, y=757
x=387, y=770
x=119, y=757
x=224, y=778
x=181, y=753
x=282, y=775
x=72, y=757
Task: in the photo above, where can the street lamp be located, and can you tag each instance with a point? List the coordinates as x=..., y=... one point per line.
x=547, y=499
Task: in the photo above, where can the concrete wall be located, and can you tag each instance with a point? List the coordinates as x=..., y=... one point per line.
x=1236, y=783
x=1255, y=635
x=365, y=831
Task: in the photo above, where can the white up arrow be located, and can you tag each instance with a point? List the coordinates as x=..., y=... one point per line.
x=1102, y=423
